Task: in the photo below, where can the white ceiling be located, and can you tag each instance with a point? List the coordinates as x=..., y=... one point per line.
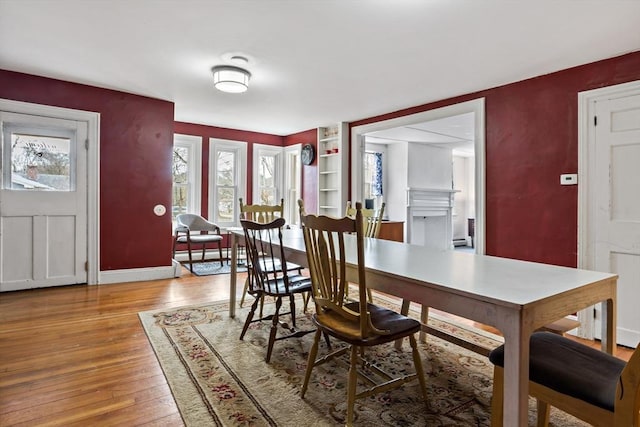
x=454, y=132
x=313, y=62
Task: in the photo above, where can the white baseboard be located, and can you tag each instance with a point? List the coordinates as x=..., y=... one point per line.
x=137, y=274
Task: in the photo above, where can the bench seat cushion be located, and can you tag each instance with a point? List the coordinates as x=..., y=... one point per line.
x=570, y=368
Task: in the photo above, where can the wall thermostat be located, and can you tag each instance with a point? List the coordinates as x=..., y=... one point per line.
x=569, y=179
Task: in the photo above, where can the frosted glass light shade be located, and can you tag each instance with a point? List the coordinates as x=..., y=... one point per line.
x=230, y=79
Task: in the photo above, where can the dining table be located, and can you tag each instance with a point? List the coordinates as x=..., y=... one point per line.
x=516, y=297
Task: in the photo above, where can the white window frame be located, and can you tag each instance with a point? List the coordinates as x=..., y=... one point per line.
x=194, y=165
x=240, y=148
x=261, y=150
x=292, y=192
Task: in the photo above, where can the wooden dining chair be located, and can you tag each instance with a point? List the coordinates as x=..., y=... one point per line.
x=371, y=223
x=589, y=384
x=371, y=219
x=271, y=277
x=358, y=324
x=261, y=214
x=194, y=229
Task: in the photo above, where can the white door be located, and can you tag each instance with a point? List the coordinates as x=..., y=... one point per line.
x=43, y=202
x=617, y=206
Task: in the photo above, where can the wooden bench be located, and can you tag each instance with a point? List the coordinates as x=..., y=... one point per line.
x=561, y=326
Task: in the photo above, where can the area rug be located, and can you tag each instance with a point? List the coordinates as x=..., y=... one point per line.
x=216, y=379
x=209, y=268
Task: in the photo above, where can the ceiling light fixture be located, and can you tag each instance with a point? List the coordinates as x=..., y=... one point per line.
x=228, y=78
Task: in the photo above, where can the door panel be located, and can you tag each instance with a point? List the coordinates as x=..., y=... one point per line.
x=43, y=202
x=617, y=213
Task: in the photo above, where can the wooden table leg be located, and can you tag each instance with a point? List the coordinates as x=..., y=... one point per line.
x=516, y=373
x=234, y=274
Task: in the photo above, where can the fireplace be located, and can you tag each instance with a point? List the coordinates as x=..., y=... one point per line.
x=429, y=217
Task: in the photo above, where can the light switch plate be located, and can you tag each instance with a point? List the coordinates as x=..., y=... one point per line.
x=569, y=179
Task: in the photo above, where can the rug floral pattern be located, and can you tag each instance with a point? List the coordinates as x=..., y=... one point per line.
x=219, y=380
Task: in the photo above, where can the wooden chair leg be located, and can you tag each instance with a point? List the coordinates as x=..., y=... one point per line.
x=249, y=318
x=351, y=385
x=544, y=410
x=404, y=310
x=305, y=298
x=417, y=361
x=220, y=253
x=424, y=319
x=274, y=329
x=498, y=397
x=244, y=291
x=311, y=360
x=292, y=308
x=190, y=256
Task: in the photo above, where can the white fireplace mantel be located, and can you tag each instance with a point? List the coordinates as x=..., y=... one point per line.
x=429, y=217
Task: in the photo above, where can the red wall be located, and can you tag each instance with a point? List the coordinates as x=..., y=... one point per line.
x=309, y=172
x=532, y=138
x=136, y=139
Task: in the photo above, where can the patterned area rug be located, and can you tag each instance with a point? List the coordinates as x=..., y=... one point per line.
x=216, y=379
x=209, y=268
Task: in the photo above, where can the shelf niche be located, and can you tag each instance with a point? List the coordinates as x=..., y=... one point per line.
x=332, y=169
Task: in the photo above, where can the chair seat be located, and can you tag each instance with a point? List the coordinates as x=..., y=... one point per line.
x=269, y=265
x=297, y=284
x=200, y=238
x=399, y=326
x=559, y=363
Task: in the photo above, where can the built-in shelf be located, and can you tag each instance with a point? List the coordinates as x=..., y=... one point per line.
x=332, y=169
x=331, y=138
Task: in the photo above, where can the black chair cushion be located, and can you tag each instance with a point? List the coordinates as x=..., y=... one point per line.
x=399, y=326
x=277, y=287
x=570, y=368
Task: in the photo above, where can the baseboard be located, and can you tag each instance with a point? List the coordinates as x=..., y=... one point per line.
x=136, y=274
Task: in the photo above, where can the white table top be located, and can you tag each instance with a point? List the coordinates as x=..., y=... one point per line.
x=501, y=281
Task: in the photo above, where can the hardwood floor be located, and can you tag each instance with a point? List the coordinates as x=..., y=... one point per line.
x=78, y=356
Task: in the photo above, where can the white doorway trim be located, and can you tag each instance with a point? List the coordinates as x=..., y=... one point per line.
x=475, y=106
x=586, y=138
x=93, y=170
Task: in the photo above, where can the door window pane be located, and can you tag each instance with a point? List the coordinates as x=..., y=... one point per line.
x=40, y=163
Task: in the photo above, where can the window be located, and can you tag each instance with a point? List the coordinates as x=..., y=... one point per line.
x=186, y=170
x=227, y=163
x=39, y=159
x=373, y=176
x=267, y=178
x=292, y=187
